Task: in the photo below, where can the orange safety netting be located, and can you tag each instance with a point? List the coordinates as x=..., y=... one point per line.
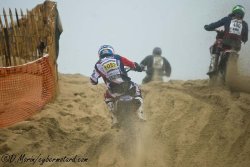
x=25, y=89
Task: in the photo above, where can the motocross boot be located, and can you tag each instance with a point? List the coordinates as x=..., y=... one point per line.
x=139, y=111
x=111, y=109
x=140, y=114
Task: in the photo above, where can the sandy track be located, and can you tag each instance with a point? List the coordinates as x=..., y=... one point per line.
x=189, y=124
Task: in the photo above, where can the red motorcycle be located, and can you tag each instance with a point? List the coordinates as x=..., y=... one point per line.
x=220, y=56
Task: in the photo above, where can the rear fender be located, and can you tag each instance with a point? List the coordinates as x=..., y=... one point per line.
x=123, y=101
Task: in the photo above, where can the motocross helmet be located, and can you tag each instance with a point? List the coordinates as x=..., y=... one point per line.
x=105, y=50
x=238, y=10
x=157, y=51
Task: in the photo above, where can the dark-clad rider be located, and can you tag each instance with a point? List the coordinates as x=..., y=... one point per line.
x=235, y=29
x=156, y=65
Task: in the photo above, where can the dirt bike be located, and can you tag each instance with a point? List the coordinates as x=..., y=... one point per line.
x=125, y=110
x=220, y=58
x=125, y=105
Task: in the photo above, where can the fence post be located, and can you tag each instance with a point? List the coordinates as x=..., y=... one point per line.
x=31, y=34
x=23, y=31
x=3, y=52
x=17, y=18
x=6, y=31
x=15, y=40
x=37, y=37
x=6, y=40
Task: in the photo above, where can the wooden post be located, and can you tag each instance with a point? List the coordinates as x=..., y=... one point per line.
x=15, y=39
x=30, y=33
x=20, y=36
x=6, y=30
x=1, y=55
x=41, y=31
x=35, y=30
x=17, y=18
x=23, y=31
x=2, y=41
x=6, y=40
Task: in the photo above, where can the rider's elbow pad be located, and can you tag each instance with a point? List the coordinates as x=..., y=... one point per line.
x=93, y=82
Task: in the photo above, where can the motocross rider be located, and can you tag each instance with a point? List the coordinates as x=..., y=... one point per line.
x=110, y=67
x=235, y=31
x=156, y=65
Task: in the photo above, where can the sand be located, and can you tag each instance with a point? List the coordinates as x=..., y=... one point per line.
x=189, y=124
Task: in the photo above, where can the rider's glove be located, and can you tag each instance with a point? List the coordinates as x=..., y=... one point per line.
x=138, y=67
x=206, y=27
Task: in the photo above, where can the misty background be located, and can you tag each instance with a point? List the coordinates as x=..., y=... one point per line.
x=135, y=27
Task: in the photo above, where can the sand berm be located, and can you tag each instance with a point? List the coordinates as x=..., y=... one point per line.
x=189, y=125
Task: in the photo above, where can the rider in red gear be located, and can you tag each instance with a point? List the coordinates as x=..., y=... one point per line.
x=110, y=67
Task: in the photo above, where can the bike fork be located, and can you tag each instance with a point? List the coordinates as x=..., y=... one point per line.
x=213, y=63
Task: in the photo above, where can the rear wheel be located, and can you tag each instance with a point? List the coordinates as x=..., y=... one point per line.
x=127, y=128
x=231, y=70
x=125, y=115
x=222, y=67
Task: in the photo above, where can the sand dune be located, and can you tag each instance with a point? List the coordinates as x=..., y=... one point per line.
x=189, y=124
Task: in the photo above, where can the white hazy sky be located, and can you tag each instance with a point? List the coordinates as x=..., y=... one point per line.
x=135, y=27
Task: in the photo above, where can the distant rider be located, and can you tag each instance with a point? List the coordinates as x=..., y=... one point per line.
x=110, y=67
x=156, y=66
x=236, y=30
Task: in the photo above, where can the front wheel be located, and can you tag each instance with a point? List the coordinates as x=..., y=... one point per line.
x=215, y=79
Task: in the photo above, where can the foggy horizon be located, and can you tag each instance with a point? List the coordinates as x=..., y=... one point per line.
x=134, y=28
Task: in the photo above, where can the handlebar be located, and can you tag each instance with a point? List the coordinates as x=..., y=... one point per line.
x=127, y=69
x=220, y=33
